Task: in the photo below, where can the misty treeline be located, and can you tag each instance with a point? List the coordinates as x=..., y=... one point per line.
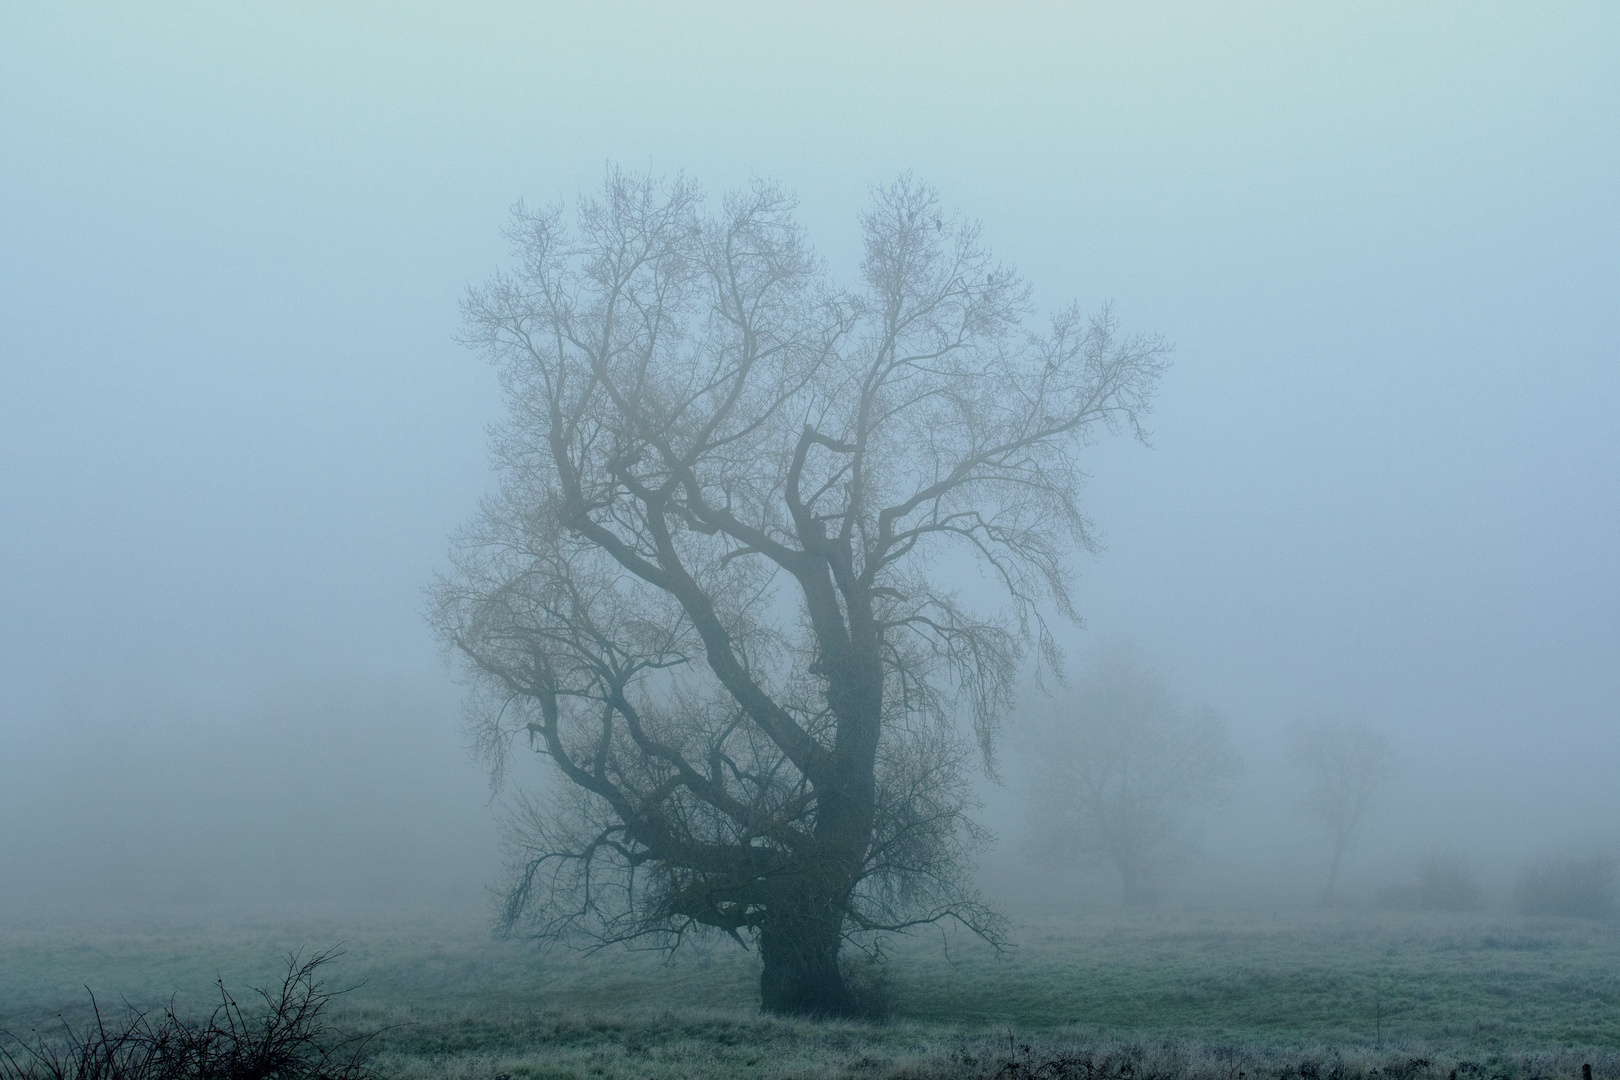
x=1565, y=885
x=1119, y=769
x=719, y=587
x=1116, y=769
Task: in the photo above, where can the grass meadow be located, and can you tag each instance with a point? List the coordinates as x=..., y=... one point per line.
x=1298, y=995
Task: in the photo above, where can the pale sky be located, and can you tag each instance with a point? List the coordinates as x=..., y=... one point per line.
x=235, y=431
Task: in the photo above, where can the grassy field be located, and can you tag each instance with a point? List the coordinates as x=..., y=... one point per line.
x=1216, y=994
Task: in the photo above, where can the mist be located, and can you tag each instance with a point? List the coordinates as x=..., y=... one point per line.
x=237, y=431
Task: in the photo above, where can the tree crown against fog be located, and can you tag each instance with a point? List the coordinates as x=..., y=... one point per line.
x=1345, y=764
x=1119, y=770
x=709, y=588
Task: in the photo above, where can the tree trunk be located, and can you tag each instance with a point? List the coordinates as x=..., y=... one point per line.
x=1139, y=888
x=1128, y=886
x=1329, y=897
x=801, y=975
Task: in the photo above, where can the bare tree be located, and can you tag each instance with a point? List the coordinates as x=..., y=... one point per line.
x=1119, y=770
x=1345, y=764
x=704, y=588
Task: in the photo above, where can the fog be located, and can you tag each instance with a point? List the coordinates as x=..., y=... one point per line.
x=236, y=430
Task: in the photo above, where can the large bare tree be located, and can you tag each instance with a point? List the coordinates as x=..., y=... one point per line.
x=1119, y=770
x=711, y=588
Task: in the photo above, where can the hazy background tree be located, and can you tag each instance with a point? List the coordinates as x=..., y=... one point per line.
x=1345, y=764
x=1119, y=769
x=709, y=588
x=1563, y=885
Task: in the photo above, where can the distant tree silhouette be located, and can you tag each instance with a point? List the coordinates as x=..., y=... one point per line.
x=1345, y=764
x=1119, y=769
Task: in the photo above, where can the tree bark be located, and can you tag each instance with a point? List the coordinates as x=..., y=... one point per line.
x=801, y=975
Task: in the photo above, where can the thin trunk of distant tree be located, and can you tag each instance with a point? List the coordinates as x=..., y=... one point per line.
x=1330, y=894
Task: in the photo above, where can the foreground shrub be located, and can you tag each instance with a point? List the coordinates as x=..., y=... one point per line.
x=285, y=1040
x=1580, y=887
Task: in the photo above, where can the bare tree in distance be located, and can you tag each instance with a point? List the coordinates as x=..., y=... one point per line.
x=1119, y=769
x=1345, y=764
x=709, y=589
